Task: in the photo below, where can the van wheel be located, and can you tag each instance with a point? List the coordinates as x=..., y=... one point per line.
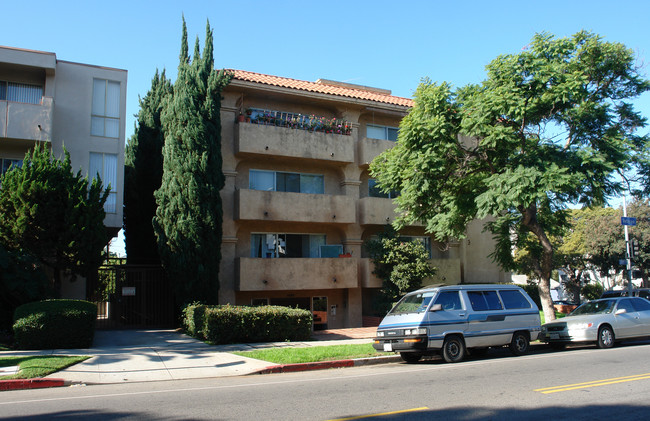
x=520, y=343
x=410, y=357
x=453, y=349
x=605, y=337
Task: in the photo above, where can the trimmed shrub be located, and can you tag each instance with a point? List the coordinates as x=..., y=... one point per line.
x=533, y=292
x=592, y=291
x=228, y=324
x=54, y=324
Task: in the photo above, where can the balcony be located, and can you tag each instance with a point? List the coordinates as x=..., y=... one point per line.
x=255, y=274
x=377, y=211
x=448, y=272
x=271, y=140
x=257, y=205
x=27, y=121
x=370, y=148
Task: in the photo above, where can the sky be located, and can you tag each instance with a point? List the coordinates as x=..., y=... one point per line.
x=384, y=44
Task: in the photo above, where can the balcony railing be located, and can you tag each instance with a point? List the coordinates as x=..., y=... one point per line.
x=308, y=122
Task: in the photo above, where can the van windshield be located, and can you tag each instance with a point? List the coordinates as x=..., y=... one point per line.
x=413, y=303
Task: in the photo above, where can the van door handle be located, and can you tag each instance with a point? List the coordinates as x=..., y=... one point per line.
x=461, y=314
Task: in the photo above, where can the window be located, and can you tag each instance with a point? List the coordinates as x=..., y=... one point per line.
x=425, y=241
x=105, y=118
x=21, y=92
x=484, y=300
x=640, y=304
x=381, y=132
x=375, y=191
x=286, y=245
x=257, y=302
x=105, y=165
x=286, y=182
x=6, y=163
x=514, y=299
x=450, y=300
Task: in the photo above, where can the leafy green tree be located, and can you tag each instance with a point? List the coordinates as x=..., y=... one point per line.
x=54, y=215
x=143, y=169
x=401, y=265
x=188, y=221
x=640, y=233
x=552, y=125
x=21, y=281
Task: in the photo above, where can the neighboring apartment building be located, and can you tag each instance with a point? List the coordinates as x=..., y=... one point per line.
x=56, y=102
x=299, y=204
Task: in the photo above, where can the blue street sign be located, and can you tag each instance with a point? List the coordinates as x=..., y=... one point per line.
x=626, y=220
x=622, y=262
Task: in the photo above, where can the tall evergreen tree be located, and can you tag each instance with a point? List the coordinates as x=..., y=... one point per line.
x=189, y=215
x=143, y=169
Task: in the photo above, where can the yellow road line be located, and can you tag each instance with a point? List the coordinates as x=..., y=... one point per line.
x=594, y=383
x=382, y=414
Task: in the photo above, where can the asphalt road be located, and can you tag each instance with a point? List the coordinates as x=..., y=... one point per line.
x=579, y=383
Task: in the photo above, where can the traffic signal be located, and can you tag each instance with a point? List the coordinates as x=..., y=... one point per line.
x=634, y=249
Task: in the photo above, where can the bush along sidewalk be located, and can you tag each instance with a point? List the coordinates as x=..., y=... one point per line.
x=55, y=324
x=227, y=324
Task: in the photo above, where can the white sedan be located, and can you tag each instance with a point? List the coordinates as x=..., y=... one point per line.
x=602, y=321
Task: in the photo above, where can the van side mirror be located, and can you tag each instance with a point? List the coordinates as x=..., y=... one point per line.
x=436, y=307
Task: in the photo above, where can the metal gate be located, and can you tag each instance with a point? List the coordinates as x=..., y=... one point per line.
x=132, y=296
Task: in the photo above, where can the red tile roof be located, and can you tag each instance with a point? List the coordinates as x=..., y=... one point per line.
x=323, y=87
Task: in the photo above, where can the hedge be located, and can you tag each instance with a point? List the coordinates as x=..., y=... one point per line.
x=228, y=324
x=55, y=324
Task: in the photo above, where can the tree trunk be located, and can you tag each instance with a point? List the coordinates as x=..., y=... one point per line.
x=544, y=266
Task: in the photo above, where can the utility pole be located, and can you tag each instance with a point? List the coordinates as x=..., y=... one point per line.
x=625, y=221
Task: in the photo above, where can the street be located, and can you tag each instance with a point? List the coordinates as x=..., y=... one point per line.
x=579, y=383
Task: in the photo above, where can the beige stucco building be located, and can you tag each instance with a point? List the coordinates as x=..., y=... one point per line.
x=60, y=103
x=298, y=204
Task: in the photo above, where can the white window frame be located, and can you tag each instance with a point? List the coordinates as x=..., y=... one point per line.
x=275, y=177
x=385, y=130
x=278, y=244
x=389, y=195
x=111, y=202
x=105, y=110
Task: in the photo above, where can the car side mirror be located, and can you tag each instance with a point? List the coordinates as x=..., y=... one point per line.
x=620, y=311
x=436, y=307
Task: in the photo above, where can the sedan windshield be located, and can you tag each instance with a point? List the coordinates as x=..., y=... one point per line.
x=413, y=303
x=594, y=307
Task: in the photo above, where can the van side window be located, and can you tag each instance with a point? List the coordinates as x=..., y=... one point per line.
x=484, y=300
x=450, y=300
x=513, y=299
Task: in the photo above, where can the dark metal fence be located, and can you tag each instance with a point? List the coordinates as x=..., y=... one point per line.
x=132, y=296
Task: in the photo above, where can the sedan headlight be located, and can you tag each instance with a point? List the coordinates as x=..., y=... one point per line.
x=416, y=331
x=581, y=326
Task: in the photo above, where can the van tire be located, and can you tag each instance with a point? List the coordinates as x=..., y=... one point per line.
x=520, y=343
x=453, y=349
x=410, y=357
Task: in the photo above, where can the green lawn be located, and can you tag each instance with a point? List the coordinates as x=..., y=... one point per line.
x=313, y=353
x=38, y=365
x=558, y=315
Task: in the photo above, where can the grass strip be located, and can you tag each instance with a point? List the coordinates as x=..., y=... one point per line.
x=38, y=365
x=313, y=353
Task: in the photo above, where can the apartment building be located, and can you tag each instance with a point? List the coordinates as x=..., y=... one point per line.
x=55, y=102
x=299, y=202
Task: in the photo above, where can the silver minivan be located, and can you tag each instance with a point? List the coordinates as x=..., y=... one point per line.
x=453, y=319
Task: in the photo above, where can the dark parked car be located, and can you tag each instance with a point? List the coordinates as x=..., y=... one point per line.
x=636, y=292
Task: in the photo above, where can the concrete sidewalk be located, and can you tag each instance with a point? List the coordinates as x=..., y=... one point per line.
x=153, y=355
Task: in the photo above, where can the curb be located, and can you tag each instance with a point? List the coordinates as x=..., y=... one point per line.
x=20, y=384
x=323, y=365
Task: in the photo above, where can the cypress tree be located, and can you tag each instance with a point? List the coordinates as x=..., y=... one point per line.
x=189, y=215
x=143, y=169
